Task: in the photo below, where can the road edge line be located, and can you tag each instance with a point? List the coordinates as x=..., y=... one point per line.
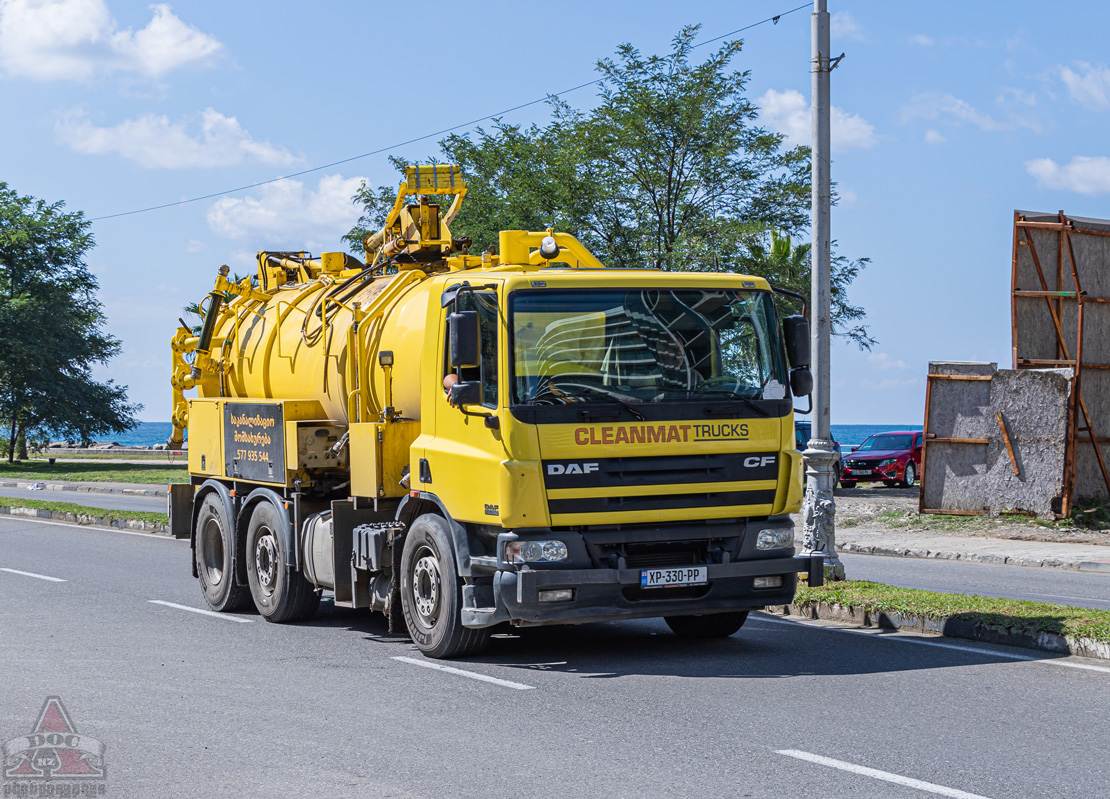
x=76, y=526
x=946, y=627
x=936, y=641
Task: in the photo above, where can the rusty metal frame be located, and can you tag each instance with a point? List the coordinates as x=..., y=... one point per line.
x=1054, y=301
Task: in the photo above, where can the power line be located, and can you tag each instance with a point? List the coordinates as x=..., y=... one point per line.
x=774, y=20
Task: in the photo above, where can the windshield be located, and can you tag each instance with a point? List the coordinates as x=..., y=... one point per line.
x=886, y=441
x=645, y=345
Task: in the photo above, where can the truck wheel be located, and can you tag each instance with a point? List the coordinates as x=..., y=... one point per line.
x=280, y=594
x=215, y=545
x=719, y=625
x=431, y=593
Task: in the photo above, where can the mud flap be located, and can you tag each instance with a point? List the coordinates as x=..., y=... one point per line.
x=395, y=615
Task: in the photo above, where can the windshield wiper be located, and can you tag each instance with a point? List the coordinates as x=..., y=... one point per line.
x=746, y=400
x=611, y=398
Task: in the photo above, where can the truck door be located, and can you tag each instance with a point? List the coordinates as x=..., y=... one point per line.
x=464, y=457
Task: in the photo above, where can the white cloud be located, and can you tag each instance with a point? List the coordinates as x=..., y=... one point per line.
x=934, y=137
x=843, y=25
x=195, y=246
x=153, y=141
x=288, y=214
x=921, y=40
x=845, y=198
x=940, y=105
x=1011, y=96
x=1083, y=174
x=788, y=113
x=933, y=104
x=79, y=39
x=884, y=362
x=1091, y=89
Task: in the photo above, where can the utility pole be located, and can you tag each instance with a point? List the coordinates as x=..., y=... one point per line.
x=819, y=505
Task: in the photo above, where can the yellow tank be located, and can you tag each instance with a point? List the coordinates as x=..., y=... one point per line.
x=279, y=348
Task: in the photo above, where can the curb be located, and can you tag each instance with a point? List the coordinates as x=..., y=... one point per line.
x=138, y=492
x=947, y=627
x=998, y=560
x=90, y=521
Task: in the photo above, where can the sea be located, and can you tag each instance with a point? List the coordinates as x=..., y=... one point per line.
x=147, y=434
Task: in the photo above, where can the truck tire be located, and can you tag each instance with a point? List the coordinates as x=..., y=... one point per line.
x=280, y=594
x=215, y=546
x=431, y=593
x=719, y=625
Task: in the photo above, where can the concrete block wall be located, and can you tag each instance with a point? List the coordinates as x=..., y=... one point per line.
x=980, y=477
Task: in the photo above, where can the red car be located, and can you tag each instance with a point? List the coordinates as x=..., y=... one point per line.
x=894, y=458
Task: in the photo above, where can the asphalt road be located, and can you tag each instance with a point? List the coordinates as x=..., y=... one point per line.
x=91, y=498
x=194, y=704
x=1058, y=586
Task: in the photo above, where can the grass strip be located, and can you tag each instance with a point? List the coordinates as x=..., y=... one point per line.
x=1012, y=615
x=150, y=517
x=110, y=455
x=94, y=471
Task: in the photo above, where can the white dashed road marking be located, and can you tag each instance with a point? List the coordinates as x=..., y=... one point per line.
x=32, y=574
x=473, y=675
x=885, y=776
x=212, y=613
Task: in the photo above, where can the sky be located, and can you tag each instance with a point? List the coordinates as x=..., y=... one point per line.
x=946, y=117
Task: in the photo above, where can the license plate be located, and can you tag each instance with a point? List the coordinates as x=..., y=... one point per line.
x=667, y=578
x=861, y=471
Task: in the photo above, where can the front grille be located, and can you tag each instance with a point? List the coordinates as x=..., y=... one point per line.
x=616, y=504
x=650, y=556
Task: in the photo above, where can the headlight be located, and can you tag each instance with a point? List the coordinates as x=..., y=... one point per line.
x=775, y=539
x=887, y=462
x=535, y=551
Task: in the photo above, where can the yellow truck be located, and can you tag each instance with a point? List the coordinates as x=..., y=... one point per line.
x=463, y=440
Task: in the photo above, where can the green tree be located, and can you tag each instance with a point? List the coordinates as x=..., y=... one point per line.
x=775, y=257
x=670, y=169
x=51, y=327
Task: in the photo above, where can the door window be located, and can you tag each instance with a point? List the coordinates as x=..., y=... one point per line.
x=485, y=303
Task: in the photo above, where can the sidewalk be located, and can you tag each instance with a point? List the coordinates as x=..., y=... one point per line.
x=134, y=489
x=976, y=549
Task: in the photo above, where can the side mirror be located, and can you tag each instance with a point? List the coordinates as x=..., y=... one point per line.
x=468, y=393
x=464, y=339
x=801, y=382
x=795, y=333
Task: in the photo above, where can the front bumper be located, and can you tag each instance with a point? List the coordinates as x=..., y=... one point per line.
x=874, y=477
x=602, y=594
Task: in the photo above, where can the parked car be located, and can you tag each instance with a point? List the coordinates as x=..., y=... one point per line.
x=802, y=432
x=894, y=458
